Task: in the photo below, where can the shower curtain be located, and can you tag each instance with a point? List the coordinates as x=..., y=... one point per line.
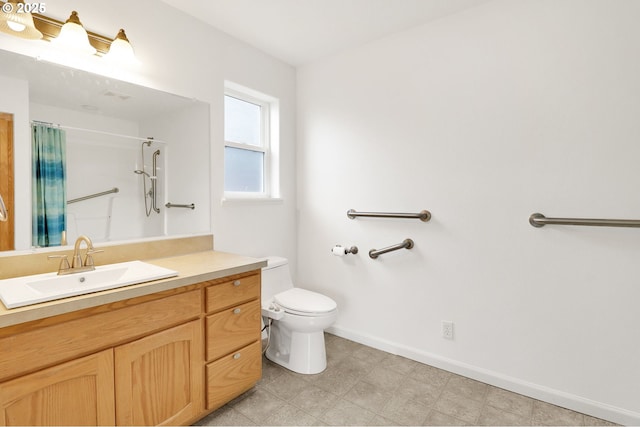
x=49, y=201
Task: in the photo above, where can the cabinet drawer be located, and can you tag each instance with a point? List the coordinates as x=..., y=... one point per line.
x=232, y=329
x=233, y=374
x=233, y=292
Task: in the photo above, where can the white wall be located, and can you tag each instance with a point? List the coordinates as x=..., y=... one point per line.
x=184, y=134
x=182, y=55
x=484, y=118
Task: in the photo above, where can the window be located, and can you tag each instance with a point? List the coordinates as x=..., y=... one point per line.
x=249, y=143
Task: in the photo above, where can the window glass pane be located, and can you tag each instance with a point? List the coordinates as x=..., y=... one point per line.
x=243, y=170
x=241, y=121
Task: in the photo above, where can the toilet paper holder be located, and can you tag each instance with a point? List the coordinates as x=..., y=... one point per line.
x=339, y=250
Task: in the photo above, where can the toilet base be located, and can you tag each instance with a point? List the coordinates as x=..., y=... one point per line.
x=301, y=352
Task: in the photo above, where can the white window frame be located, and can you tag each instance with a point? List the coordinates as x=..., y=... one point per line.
x=269, y=138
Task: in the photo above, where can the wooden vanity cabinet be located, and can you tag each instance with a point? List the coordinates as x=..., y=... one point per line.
x=162, y=359
x=137, y=361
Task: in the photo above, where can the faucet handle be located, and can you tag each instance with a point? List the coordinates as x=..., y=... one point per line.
x=88, y=260
x=64, y=262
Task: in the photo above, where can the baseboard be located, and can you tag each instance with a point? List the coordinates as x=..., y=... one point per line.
x=536, y=391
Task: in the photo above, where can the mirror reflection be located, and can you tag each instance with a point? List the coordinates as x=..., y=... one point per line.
x=106, y=156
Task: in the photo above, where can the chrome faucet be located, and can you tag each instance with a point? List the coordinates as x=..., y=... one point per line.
x=77, y=265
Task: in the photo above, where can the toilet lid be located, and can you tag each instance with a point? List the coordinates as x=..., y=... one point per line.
x=304, y=301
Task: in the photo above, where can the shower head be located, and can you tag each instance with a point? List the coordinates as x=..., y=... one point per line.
x=141, y=172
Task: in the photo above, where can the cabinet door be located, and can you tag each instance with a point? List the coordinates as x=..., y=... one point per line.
x=159, y=378
x=79, y=392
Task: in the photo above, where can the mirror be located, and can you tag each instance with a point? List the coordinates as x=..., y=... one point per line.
x=131, y=150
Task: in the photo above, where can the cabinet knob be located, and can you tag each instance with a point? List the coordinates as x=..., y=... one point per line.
x=236, y=311
x=236, y=283
x=236, y=356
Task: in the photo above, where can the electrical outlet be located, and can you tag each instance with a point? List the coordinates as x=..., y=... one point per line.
x=447, y=329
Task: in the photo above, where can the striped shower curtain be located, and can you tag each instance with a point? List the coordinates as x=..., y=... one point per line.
x=49, y=200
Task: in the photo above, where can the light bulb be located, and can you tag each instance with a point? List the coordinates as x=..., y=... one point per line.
x=15, y=26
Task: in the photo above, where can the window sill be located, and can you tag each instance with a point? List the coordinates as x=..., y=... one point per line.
x=251, y=200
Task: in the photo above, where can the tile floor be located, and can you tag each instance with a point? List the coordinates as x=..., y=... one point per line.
x=368, y=387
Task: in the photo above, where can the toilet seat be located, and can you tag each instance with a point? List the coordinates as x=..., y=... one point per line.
x=304, y=303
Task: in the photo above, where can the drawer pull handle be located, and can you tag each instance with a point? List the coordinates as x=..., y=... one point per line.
x=236, y=311
x=236, y=283
x=236, y=356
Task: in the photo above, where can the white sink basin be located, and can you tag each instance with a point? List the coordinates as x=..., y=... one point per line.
x=27, y=290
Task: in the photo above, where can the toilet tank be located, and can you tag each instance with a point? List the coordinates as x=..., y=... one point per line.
x=276, y=278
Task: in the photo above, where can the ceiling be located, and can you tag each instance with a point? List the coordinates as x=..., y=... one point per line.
x=302, y=31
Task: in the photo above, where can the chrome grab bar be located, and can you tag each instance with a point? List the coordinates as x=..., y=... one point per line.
x=189, y=206
x=538, y=220
x=406, y=244
x=423, y=215
x=91, y=196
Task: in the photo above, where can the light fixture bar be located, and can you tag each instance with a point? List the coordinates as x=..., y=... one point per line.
x=50, y=28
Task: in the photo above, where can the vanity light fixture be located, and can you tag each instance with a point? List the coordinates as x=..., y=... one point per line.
x=73, y=36
x=26, y=20
x=16, y=19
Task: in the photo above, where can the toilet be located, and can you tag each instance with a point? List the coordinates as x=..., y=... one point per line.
x=298, y=319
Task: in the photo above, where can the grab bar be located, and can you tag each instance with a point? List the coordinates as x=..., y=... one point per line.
x=423, y=215
x=406, y=244
x=154, y=185
x=538, y=220
x=171, y=205
x=91, y=196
